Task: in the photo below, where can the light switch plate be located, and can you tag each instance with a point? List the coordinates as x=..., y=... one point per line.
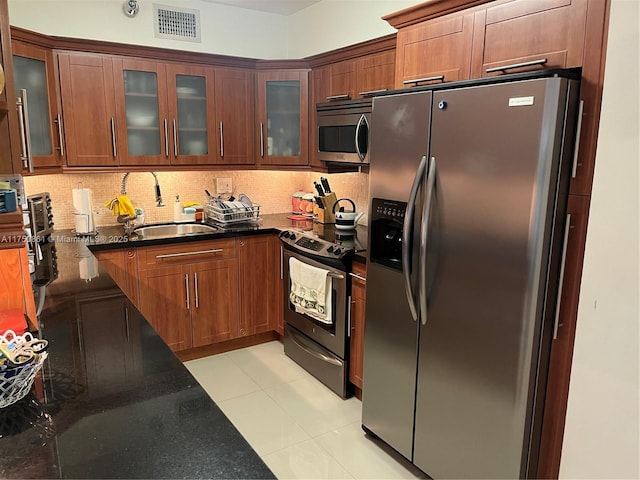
x=224, y=185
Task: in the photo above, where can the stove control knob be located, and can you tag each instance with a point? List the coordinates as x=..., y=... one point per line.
x=337, y=251
x=286, y=234
x=330, y=249
x=292, y=237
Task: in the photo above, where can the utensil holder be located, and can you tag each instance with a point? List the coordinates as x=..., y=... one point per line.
x=326, y=214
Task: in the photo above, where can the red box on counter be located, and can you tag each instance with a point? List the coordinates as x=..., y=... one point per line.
x=13, y=319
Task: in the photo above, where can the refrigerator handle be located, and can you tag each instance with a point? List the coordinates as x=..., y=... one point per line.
x=424, y=236
x=406, y=236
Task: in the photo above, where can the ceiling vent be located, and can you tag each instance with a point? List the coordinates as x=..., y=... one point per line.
x=176, y=23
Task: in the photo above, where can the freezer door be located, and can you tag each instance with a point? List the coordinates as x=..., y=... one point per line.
x=497, y=151
x=399, y=135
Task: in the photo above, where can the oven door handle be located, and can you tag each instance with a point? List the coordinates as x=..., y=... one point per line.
x=318, y=355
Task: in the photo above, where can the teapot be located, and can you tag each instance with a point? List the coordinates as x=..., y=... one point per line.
x=346, y=220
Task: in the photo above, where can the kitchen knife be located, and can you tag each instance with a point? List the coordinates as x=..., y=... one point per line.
x=318, y=188
x=325, y=185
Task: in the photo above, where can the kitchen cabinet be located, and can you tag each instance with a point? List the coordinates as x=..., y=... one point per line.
x=188, y=292
x=358, y=301
x=111, y=341
x=40, y=117
x=122, y=266
x=142, y=112
x=260, y=299
x=235, y=116
x=88, y=102
x=283, y=115
x=15, y=282
x=374, y=73
x=532, y=34
x=437, y=50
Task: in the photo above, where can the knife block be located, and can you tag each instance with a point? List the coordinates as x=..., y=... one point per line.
x=326, y=215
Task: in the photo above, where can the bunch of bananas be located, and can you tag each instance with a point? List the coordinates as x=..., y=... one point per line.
x=122, y=206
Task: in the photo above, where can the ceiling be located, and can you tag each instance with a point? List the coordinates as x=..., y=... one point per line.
x=280, y=7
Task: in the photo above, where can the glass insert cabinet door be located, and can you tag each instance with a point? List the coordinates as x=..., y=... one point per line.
x=142, y=112
x=192, y=128
x=283, y=100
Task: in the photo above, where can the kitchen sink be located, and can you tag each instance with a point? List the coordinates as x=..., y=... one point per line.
x=173, y=230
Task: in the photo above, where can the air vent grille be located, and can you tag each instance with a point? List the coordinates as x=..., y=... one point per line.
x=176, y=23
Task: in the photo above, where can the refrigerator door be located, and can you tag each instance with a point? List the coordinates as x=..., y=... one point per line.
x=399, y=135
x=497, y=150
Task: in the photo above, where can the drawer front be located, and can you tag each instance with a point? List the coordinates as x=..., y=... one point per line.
x=189, y=252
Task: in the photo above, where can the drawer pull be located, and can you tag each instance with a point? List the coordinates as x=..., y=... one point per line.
x=371, y=92
x=435, y=78
x=185, y=254
x=540, y=61
x=359, y=277
x=344, y=96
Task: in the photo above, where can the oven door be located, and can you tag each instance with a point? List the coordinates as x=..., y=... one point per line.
x=343, y=137
x=330, y=336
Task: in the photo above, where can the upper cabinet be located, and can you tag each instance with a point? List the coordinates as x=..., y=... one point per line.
x=283, y=115
x=532, y=34
x=88, y=103
x=38, y=112
x=375, y=73
x=436, y=50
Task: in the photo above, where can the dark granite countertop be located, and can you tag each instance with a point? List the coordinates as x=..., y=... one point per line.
x=115, y=402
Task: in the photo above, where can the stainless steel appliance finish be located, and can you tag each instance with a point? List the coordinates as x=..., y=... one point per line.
x=469, y=189
x=343, y=131
x=322, y=349
x=40, y=215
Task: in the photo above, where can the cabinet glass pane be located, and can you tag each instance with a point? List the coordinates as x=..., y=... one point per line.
x=283, y=118
x=192, y=115
x=143, y=118
x=31, y=75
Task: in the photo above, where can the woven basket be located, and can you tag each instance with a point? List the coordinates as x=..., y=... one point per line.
x=16, y=382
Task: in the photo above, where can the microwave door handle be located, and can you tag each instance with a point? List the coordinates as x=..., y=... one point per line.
x=362, y=120
x=406, y=237
x=424, y=236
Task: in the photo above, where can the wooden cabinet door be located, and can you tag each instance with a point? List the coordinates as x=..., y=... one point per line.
x=122, y=266
x=142, y=112
x=436, y=50
x=214, y=303
x=319, y=92
x=358, y=300
x=342, y=80
x=283, y=117
x=259, y=274
x=374, y=73
x=88, y=102
x=234, y=117
x=111, y=342
x=35, y=82
x=541, y=33
x=192, y=128
x=165, y=301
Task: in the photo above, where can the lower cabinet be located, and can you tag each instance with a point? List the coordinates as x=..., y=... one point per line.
x=358, y=291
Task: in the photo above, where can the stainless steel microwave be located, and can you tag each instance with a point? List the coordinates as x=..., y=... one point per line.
x=343, y=131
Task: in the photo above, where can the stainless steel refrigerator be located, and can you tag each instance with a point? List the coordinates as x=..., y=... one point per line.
x=467, y=226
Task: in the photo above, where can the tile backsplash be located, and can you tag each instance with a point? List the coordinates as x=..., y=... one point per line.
x=270, y=189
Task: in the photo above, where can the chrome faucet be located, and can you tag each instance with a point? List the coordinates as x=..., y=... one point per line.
x=159, y=202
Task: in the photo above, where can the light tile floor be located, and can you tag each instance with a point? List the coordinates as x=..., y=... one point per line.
x=299, y=427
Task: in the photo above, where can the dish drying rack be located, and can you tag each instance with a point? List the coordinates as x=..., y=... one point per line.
x=223, y=213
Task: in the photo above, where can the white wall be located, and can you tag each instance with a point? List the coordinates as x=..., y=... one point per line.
x=226, y=30
x=602, y=425
x=332, y=24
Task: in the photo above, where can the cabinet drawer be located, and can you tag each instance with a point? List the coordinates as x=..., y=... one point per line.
x=189, y=252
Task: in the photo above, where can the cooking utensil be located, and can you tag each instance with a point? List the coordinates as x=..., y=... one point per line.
x=325, y=185
x=318, y=188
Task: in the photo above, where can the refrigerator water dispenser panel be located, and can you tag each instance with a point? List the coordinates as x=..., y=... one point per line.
x=387, y=218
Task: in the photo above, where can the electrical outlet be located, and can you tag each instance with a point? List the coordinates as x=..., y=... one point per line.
x=223, y=185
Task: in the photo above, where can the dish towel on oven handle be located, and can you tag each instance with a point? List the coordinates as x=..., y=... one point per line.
x=310, y=290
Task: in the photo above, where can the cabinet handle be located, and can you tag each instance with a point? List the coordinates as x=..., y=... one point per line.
x=126, y=321
x=113, y=138
x=281, y=263
x=563, y=261
x=185, y=254
x=576, y=147
x=344, y=96
x=540, y=61
x=186, y=287
x=166, y=138
x=175, y=139
x=359, y=277
x=261, y=140
x=195, y=280
x=58, y=122
x=221, y=141
x=25, y=131
x=349, y=316
x=24, y=154
x=371, y=92
x=435, y=78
